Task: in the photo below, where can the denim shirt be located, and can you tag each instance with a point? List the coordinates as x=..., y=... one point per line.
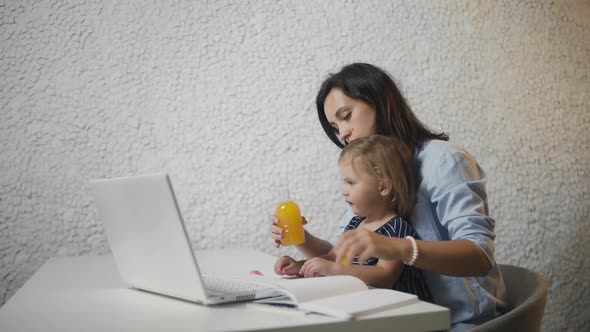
x=452, y=205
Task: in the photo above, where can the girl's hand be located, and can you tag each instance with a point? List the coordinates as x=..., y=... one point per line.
x=316, y=267
x=366, y=244
x=276, y=233
x=286, y=265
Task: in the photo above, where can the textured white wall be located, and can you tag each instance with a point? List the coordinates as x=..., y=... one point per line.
x=221, y=96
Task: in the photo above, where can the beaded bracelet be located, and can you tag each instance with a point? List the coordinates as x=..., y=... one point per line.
x=414, y=251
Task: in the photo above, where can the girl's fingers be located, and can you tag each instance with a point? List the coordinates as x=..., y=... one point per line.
x=276, y=233
x=291, y=269
x=303, y=269
x=282, y=263
x=306, y=269
x=278, y=269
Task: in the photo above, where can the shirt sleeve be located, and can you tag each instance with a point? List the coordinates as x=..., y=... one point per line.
x=458, y=192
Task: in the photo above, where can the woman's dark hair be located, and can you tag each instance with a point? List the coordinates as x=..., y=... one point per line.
x=375, y=87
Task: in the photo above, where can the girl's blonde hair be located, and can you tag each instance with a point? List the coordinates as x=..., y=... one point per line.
x=389, y=161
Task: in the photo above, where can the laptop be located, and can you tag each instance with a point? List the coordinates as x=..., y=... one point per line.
x=148, y=239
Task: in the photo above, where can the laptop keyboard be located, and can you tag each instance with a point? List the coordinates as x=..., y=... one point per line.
x=217, y=285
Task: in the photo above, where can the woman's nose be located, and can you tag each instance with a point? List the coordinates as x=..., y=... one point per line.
x=344, y=134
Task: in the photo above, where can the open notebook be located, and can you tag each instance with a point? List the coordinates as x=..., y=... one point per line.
x=340, y=296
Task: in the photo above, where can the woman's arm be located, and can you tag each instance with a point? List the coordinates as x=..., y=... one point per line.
x=452, y=195
x=457, y=258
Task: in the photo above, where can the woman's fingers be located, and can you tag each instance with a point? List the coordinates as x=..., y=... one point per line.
x=366, y=244
x=363, y=256
x=347, y=248
x=349, y=255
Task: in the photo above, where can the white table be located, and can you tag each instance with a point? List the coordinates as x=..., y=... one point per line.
x=85, y=293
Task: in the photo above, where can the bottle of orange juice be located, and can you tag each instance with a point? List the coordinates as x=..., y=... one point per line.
x=290, y=221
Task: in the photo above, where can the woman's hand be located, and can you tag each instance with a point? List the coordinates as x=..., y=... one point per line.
x=286, y=265
x=276, y=233
x=316, y=267
x=367, y=244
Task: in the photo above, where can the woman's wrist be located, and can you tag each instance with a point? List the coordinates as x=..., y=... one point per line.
x=407, y=251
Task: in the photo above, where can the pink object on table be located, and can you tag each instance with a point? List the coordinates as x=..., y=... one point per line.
x=256, y=272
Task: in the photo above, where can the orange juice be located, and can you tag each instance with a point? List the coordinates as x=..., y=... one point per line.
x=290, y=221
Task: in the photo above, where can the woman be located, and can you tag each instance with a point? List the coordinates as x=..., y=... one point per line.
x=451, y=214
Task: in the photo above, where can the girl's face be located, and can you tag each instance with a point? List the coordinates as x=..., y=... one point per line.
x=350, y=118
x=361, y=191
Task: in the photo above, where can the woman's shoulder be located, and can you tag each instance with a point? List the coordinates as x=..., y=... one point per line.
x=437, y=152
x=437, y=147
x=441, y=163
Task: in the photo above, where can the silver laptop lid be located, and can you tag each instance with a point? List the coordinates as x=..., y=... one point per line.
x=147, y=236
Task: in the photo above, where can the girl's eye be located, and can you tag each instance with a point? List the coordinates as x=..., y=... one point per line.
x=347, y=116
x=335, y=130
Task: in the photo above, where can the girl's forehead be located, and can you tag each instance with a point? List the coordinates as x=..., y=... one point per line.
x=352, y=163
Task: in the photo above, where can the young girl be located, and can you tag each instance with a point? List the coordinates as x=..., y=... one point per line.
x=380, y=186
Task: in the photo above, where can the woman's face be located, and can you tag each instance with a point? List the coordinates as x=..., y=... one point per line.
x=350, y=118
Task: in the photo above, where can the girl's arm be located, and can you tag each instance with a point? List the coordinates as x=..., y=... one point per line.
x=382, y=275
x=312, y=247
x=457, y=258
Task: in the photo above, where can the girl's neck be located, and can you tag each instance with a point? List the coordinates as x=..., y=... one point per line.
x=379, y=216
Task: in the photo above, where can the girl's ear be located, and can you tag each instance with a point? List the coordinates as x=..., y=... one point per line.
x=385, y=188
